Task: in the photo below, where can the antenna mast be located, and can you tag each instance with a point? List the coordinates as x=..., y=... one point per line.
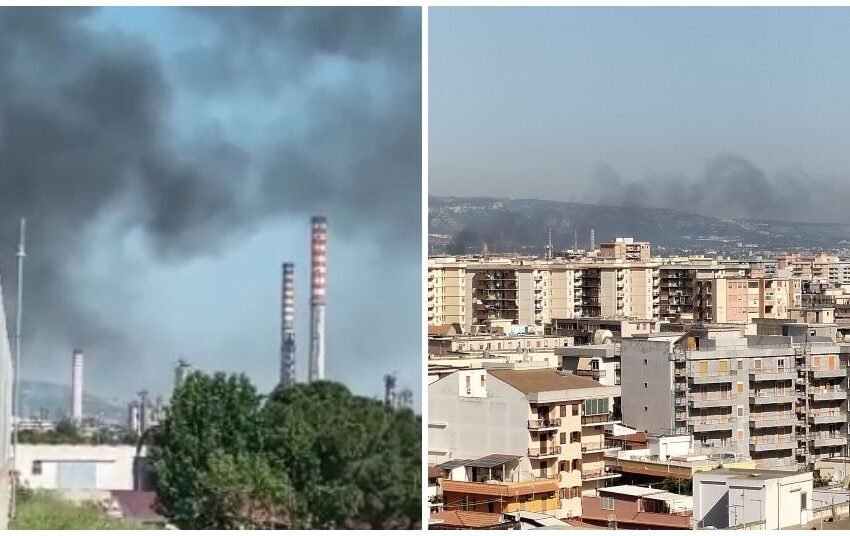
x=16, y=386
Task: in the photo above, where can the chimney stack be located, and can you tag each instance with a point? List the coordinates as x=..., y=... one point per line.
x=77, y=386
x=287, y=328
x=592, y=241
x=317, y=297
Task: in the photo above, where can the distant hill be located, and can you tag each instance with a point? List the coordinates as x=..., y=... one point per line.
x=459, y=225
x=37, y=396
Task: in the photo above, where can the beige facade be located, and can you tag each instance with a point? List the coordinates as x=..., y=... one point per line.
x=626, y=249
x=742, y=300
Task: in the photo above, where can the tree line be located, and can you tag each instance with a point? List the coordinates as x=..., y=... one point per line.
x=304, y=457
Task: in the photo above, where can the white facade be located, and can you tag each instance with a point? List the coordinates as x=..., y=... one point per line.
x=76, y=467
x=758, y=499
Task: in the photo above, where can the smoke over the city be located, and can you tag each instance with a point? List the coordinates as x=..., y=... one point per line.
x=730, y=187
x=91, y=141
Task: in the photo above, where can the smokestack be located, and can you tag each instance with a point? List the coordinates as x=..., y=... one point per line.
x=592, y=241
x=317, y=298
x=575, y=239
x=183, y=369
x=287, y=327
x=77, y=386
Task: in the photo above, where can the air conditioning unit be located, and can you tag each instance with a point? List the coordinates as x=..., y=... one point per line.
x=469, y=391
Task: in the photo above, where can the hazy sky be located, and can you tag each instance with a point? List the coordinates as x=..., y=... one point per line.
x=169, y=160
x=618, y=105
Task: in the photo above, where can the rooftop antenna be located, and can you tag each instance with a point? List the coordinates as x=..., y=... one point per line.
x=484, y=250
x=16, y=386
x=389, y=388
x=549, y=247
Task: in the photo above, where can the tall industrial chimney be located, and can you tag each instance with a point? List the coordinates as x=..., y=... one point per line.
x=77, y=386
x=592, y=241
x=287, y=328
x=317, y=297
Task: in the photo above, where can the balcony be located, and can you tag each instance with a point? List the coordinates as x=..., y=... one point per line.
x=597, y=474
x=828, y=440
x=819, y=394
x=712, y=376
x=598, y=420
x=826, y=417
x=767, y=374
x=540, y=425
x=762, y=444
x=773, y=397
x=824, y=372
x=602, y=446
x=772, y=420
x=500, y=489
x=712, y=402
x=592, y=373
x=550, y=451
x=711, y=424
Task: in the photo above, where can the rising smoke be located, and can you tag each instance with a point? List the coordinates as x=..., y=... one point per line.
x=730, y=187
x=87, y=137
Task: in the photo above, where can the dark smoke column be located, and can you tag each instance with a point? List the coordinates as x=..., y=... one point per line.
x=287, y=335
x=317, y=298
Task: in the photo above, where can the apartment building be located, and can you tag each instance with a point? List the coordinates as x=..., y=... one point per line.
x=820, y=268
x=551, y=425
x=585, y=331
x=741, y=300
x=780, y=400
x=626, y=249
x=479, y=294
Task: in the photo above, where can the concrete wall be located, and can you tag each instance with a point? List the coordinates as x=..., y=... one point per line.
x=113, y=464
x=647, y=387
x=474, y=426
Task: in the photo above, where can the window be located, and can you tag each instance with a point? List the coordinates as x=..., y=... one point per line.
x=468, y=384
x=645, y=385
x=482, y=380
x=575, y=437
x=803, y=500
x=645, y=408
x=563, y=438
x=563, y=410
x=740, y=364
x=575, y=410
x=740, y=411
x=607, y=503
x=36, y=467
x=644, y=361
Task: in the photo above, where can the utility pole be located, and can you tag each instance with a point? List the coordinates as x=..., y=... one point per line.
x=16, y=386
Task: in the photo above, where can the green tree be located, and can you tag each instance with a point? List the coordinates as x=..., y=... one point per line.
x=352, y=461
x=209, y=419
x=672, y=484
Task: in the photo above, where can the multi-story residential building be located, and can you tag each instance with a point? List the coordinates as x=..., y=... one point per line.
x=549, y=423
x=781, y=400
x=821, y=268
x=636, y=507
x=626, y=249
x=741, y=300
x=493, y=343
x=764, y=268
x=586, y=331
x=600, y=362
x=479, y=294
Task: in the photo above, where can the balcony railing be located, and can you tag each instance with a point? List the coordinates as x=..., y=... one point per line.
x=712, y=373
x=761, y=417
x=593, y=373
x=601, y=445
x=590, y=420
x=535, y=424
x=711, y=420
x=552, y=450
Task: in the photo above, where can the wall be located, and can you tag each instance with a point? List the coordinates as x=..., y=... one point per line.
x=114, y=464
x=476, y=427
x=656, y=397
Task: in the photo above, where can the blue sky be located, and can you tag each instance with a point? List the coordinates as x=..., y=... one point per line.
x=272, y=90
x=531, y=102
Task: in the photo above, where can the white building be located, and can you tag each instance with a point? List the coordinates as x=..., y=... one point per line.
x=756, y=499
x=76, y=467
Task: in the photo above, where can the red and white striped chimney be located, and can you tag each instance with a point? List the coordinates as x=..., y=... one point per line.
x=317, y=297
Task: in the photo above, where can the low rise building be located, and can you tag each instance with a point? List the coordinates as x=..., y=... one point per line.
x=76, y=467
x=761, y=499
x=637, y=507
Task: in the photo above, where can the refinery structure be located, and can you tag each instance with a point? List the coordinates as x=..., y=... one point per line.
x=318, y=278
